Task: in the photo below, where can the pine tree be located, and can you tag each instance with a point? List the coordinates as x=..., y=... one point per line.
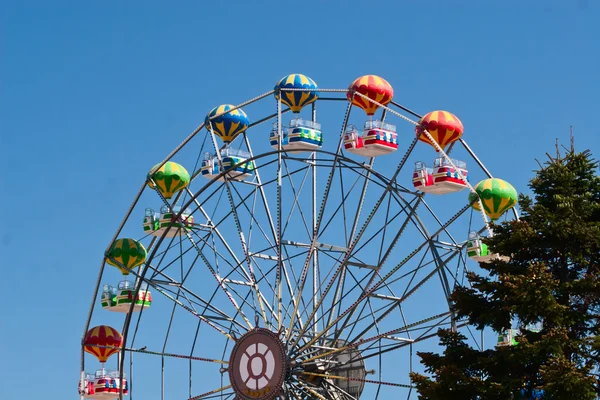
x=552, y=279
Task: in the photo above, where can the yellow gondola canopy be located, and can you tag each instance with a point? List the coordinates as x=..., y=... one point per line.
x=170, y=178
x=497, y=196
x=128, y=253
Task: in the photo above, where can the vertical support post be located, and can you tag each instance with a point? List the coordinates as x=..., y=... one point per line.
x=121, y=364
x=315, y=260
x=162, y=378
x=482, y=341
x=130, y=374
x=217, y=151
x=279, y=255
x=81, y=385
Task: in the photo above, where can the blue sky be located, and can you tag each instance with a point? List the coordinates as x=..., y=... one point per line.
x=96, y=93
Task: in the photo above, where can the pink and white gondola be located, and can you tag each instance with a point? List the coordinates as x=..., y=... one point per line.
x=443, y=178
x=377, y=138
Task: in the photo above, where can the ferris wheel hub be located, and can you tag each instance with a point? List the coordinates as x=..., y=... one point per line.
x=258, y=365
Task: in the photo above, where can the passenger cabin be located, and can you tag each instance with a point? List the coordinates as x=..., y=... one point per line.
x=377, y=138
x=478, y=251
x=105, y=384
x=300, y=136
x=156, y=224
x=442, y=179
x=119, y=299
x=507, y=338
x=230, y=160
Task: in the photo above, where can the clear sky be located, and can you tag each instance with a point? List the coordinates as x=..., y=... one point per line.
x=95, y=93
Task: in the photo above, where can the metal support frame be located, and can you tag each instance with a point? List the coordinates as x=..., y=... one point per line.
x=310, y=319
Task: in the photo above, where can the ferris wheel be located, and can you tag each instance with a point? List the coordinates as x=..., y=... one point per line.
x=281, y=253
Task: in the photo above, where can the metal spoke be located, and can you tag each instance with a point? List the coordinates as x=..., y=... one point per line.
x=318, y=225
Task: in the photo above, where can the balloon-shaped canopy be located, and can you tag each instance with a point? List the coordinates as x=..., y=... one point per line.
x=128, y=252
x=443, y=126
x=170, y=178
x=227, y=126
x=296, y=99
x=496, y=195
x=102, y=336
x=375, y=88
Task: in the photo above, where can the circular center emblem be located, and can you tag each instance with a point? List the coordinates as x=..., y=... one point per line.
x=257, y=365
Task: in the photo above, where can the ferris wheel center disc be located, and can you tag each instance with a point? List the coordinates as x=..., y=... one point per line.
x=257, y=365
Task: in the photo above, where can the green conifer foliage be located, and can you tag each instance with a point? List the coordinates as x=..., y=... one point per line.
x=552, y=279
